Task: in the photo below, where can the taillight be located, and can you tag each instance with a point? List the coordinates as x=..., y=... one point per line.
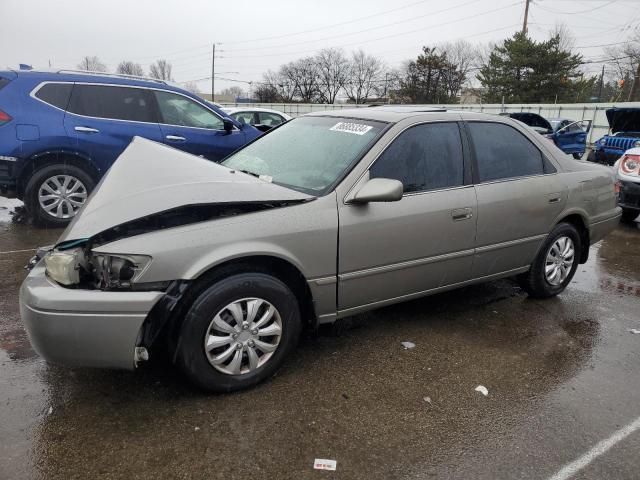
x=630, y=165
x=4, y=117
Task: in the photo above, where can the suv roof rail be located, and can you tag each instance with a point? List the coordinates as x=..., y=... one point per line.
x=118, y=75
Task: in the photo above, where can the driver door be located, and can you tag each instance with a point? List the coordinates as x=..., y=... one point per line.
x=572, y=138
x=190, y=126
x=425, y=241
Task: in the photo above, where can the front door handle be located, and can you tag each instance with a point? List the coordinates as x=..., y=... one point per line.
x=86, y=130
x=458, y=214
x=554, y=197
x=175, y=138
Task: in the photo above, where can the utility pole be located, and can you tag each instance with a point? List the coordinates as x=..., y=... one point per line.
x=634, y=94
x=213, y=74
x=601, y=85
x=526, y=17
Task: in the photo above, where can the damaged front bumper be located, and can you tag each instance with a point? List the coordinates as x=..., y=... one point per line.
x=88, y=328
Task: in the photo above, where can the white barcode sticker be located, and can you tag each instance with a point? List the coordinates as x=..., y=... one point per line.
x=348, y=127
x=323, y=464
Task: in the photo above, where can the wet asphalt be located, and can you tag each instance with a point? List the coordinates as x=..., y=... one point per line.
x=562, y=375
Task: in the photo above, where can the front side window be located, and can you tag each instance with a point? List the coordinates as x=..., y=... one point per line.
x=182, y=111
x=56, y=94
x=503, y=152
x=118, y=103
x=424, y=157
x=308, y=154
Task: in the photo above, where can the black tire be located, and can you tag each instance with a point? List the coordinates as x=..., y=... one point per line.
x=629, y=215
x=191, y=356
x=578, y=156
x=592, y=157
x=534, y=282
x=34, y=209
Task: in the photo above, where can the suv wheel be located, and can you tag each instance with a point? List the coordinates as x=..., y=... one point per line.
x=555, y=264
x=238, y=332
x=55, y=193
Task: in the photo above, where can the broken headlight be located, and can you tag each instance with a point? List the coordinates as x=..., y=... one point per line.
x=117, y=271
x=63, y=267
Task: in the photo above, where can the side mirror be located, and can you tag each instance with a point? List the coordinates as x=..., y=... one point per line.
x=228, y=125
x=379, y=190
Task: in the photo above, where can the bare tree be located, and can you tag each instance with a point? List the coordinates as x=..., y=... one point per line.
x=303, y=75
x=233, y=92
x=279, y=82
x=266, y=93
x=332, y=70
x=624, y=59
x=92, y=64
x=192, y=87
x=365, y=73
x=161, y=70
x=130, y=68
x=464, y=56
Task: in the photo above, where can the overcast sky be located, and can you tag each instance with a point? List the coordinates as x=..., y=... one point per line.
x=259, y=35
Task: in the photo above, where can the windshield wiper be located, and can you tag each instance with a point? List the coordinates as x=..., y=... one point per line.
x=249, y=173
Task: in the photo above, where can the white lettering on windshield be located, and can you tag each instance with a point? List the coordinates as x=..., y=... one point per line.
x=347, y=127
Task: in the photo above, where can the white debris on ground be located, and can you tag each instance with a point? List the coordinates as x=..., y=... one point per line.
x=50, y=411
x=324, y=464
x=7, y=206
x=408, y=345
x=635, y=331
x=427, y=399
x=482, y=389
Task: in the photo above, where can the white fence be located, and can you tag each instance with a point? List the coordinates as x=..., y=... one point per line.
x=575, y=111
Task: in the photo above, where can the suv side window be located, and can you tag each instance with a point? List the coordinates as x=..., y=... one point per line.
x=248, y=117
x=110, y=101
x=184, y=112
x=56, y=94
x=424, y=157
x=503, y=152
x=271, y=119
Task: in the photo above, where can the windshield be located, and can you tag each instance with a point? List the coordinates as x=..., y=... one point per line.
x=308, y=154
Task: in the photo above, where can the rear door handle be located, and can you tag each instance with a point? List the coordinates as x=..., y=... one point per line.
x=175, y=138
x=86, y=130
x=458, y=214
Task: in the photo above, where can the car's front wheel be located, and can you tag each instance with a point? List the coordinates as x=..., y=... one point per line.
x=578, y=156
x=238, y=332
x=55, y=193
x=555, y=264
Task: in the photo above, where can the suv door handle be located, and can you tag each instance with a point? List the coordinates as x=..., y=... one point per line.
x=86, y=130
x=458, y=214
x=175, y=138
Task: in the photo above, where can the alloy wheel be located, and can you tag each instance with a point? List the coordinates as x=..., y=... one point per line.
x=61, y=196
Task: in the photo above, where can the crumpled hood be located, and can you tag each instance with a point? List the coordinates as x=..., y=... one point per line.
x=149, y=178
x=624, y=119
x=532, y=119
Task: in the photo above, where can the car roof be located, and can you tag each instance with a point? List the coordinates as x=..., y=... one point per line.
x=251, y=109
x=102, y=77
x=396, y=113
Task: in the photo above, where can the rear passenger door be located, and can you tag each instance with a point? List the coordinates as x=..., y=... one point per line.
x=192, y=127
x=422, y=242
x=519, y=197
x=101, y=120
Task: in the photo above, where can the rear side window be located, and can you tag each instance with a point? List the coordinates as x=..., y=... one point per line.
x=4, y=82
x=424, y=157
x=271, y=119
x=118, y=103
x=248, y=117
x=56, y=94
x=503, y=152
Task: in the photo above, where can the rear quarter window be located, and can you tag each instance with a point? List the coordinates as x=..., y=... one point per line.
x=4, y=82
x=56, y=94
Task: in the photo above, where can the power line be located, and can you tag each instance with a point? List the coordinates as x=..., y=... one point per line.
x=580, y=12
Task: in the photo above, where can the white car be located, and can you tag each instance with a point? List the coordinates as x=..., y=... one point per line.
x=627, y=170
x=263, y=119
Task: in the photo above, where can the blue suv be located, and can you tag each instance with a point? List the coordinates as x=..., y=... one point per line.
x=61, y=131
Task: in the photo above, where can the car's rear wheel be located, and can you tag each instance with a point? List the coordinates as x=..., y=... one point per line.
x=238, y=332
x=629, y=215
x=55, y=193
x=555, y=264
x=578, y=156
